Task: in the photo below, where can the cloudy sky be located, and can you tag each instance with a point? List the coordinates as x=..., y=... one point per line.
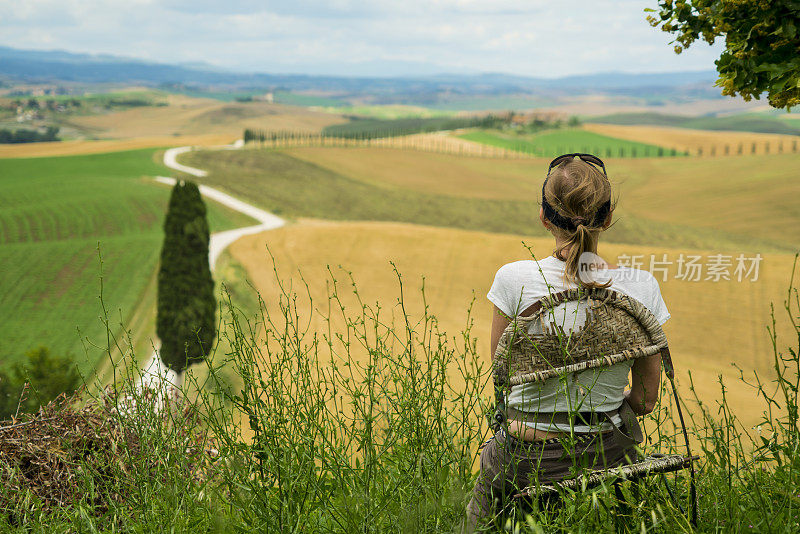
x=546, y=38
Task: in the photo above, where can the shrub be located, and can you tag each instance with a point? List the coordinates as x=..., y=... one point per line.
x=24, y=135
x=108, y=463
x=37, y=380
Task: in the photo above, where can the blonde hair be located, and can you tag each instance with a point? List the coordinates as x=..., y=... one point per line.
x=578, y=192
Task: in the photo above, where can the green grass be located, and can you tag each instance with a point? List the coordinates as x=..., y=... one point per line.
x=747, y=122
x=366, y=431
x=292, y=187
x=551, y=142
x=53, y=214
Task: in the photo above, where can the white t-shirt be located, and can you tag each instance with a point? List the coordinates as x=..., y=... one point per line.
x=519, y=284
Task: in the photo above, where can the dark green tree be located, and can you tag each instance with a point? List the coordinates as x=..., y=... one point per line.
x=762, y=43
x=186, y=304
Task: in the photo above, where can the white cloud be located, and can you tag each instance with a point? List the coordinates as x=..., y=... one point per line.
x=532, y=37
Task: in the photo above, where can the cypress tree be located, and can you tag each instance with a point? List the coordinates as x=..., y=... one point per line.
x=186, y=304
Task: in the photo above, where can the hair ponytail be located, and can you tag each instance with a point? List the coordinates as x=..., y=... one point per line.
x=578, y=196
x=583, y=239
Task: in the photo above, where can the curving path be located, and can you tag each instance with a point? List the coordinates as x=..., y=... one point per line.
x=155, y=375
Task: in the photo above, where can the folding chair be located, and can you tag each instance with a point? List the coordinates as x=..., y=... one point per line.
x=617, y=328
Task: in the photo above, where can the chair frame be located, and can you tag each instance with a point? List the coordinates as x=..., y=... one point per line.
x=519, y=359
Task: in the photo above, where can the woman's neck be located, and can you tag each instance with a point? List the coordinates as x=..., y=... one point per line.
x=565, y=253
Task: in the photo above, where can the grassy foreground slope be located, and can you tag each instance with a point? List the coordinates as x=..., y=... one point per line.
x=735, y=204
x=54, y=215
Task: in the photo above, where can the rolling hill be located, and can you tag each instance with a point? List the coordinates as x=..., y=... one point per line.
x=677, y=202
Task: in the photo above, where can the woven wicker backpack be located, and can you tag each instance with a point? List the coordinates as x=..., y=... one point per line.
x=617, y=328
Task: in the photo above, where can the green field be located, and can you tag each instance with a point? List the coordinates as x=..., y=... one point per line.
x=54, y=215
x=551, y=142
x=306, y=184
x=746, y=122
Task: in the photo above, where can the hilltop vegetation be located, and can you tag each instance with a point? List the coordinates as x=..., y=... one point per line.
x=24, y=135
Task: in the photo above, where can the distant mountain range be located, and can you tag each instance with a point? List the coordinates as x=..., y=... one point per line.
x=59, y=66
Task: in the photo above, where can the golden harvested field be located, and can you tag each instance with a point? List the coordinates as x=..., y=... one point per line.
x=687, y=139
x=712, y=325
x=752, y=196
x=441, y=174
x=69, y=148
x=192, y=116
x=756, y=196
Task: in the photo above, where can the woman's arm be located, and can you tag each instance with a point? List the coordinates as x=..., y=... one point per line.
x=499, y=323
x=645, y=384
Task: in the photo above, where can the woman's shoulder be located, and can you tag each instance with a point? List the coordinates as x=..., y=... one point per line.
x=531, y=267
x=519, y=281
x=642, y=286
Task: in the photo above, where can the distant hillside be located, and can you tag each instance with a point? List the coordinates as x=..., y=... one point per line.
x=742, y=123
x=54, y=66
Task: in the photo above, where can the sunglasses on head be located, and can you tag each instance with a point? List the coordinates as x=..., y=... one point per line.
x=564, y=222
x=588, y=158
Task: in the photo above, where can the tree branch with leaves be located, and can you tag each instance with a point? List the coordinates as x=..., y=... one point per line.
x=762, y=43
